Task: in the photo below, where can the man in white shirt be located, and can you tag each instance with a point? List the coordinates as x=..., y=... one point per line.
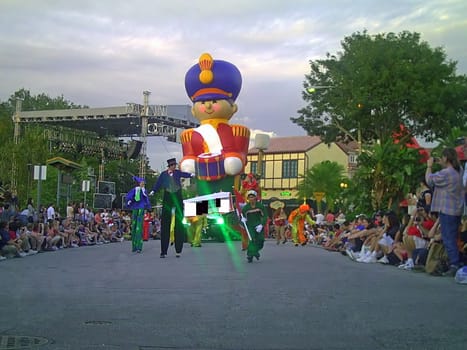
x=50, y=213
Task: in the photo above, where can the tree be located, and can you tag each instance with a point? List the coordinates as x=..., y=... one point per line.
x=380, y=82
x=322, y=177
x=385, y=175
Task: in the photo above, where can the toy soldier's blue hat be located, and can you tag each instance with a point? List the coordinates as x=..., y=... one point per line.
x=213, y=80
x=138, y=179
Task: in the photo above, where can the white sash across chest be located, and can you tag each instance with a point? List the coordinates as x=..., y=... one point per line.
x=211, y=137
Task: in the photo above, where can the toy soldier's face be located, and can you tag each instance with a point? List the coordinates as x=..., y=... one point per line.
x=213, y=109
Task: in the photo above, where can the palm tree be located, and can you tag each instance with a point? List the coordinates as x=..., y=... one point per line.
x=322, y=177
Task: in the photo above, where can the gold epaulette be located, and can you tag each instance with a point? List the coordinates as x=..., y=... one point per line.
x=185, y=136
x=240, y=130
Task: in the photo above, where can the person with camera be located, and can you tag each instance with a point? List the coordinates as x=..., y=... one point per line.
x=448, y=201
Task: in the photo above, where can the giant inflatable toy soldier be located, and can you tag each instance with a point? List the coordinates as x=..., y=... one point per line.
x=216, y=151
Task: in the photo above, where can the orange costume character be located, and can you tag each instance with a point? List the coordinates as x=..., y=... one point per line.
x=297, y=220
x=216, y=151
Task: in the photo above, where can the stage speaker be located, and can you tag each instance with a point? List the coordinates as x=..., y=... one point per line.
x=102, y=201
x=106, y=187
x=134, y=149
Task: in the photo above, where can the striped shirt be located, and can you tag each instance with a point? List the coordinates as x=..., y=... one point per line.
x=448, y=197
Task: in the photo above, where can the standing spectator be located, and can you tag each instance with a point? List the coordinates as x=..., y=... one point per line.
x=70, y=211
x=448, y=200
x=169, y=181
x=255, y=216
x=32, y=213
x=424, y=196
x=50, y=214
x=137, y=200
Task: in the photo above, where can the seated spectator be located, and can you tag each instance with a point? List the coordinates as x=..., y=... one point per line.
x=116, y=234
x=10, y=244
x=381, y=243
x=360, y=232
x=70, y=231
x=104, y=233
x=340, y=235
x=52, y=237
x=416, y=236
x=36, y=237
x=7, y=248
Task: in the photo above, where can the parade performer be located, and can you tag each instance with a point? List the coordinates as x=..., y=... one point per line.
x=255, y=216
x=279, y=219
x=216, y=150
x=147, y=218
x=251, y=182
x=169, y=181
x=197, y=224
x=137, y=201
x=297, y=219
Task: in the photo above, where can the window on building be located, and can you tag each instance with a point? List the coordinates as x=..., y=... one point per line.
x=290, y=169
x=254, y=168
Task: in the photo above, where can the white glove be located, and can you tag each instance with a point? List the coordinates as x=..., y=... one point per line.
x=233, y=165
x=128, y=203
x=244, y=220
x=151, y=193
x=259, y=228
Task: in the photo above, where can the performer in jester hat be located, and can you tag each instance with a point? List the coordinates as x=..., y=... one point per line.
x=137, y=200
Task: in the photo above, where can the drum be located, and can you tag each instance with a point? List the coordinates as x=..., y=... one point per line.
x=210, y=166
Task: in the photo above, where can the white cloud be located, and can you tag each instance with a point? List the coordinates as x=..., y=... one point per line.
x=105, y=53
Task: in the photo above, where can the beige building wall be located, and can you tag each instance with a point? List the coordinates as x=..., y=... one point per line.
x=275, y=185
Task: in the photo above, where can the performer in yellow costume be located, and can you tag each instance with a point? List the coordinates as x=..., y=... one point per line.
x=216, y=150
x=297, y=220
x=195, y=230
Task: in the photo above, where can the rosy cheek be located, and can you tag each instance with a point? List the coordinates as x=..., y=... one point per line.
x=202, y=108
x=216, y=107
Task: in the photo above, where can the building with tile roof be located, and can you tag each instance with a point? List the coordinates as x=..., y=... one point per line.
x=286, y=160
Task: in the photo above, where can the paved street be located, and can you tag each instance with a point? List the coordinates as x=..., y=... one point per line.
x=105, y=297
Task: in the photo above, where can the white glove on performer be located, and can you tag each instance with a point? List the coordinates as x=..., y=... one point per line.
x=259, y=228
x=244, y=220
x=151, y=193
x=128, y=203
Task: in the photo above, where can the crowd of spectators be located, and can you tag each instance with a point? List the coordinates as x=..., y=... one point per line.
x=29, y=232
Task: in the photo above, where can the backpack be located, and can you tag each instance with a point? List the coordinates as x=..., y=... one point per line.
x=461, y=275
x=437, y=260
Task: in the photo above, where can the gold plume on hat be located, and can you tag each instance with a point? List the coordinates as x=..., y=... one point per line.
x=205, y=64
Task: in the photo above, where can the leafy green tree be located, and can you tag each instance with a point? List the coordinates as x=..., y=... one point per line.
x=386, y=174
x=322, y=177
x=380, y=82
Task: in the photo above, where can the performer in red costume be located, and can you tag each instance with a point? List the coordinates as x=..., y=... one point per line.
x=147, y=218
x=216, y=151
x=251, y=183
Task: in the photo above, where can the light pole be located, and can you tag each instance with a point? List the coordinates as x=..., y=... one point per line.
x=262, y=144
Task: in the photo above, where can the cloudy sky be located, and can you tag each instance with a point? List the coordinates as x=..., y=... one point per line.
x=106, y=52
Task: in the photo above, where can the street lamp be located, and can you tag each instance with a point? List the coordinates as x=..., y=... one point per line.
x=343, y=185
x=262, y=144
